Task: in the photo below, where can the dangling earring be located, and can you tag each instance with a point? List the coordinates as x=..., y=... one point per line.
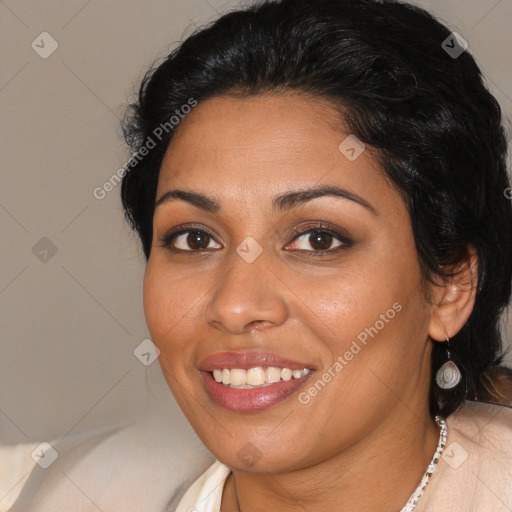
x=448, y=376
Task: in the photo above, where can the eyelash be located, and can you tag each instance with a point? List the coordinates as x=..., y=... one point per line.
x=167, y=240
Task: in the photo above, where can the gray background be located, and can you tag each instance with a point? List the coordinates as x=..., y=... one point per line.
x=70, y=323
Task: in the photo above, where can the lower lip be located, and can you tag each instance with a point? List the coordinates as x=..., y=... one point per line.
x=251, y=400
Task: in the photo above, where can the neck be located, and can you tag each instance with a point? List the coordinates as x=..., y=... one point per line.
x=377, y=474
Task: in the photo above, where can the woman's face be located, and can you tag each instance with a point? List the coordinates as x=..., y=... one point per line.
x=248, y=283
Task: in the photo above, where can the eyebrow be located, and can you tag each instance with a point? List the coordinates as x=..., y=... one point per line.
x=280, y=203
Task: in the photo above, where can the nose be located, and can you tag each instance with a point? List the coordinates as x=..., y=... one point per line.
x=248, y=296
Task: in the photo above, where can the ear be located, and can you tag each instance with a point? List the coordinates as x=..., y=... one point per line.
x=453, y=299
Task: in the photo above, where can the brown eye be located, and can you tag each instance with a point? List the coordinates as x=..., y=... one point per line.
x=198, y=240
x=188, y=240
x=320, y=240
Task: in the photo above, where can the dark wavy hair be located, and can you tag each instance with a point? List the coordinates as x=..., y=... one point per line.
x=435, y=127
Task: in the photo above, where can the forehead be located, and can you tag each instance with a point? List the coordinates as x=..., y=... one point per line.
x=265, y=144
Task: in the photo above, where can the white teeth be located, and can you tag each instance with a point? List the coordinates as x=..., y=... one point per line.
x=256, y=377
x=237, y=377
x=286, y=374
x=273, y=374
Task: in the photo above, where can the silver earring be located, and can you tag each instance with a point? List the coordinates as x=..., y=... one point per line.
x=448, y=376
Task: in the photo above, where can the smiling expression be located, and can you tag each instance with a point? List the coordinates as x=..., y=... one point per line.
x=245, y=261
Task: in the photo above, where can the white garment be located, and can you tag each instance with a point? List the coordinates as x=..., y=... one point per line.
x=16, y=463
x=143, y=465
x=206, y=492
x=473, y=475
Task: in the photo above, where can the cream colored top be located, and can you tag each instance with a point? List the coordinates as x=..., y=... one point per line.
x=473, y=475
x=142, y=465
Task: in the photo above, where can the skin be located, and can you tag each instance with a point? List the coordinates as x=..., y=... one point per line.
x=366, y=439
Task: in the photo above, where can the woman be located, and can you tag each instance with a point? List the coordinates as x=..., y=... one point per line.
x=320, y=192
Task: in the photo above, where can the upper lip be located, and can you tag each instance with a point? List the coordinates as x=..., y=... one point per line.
x=246, y=360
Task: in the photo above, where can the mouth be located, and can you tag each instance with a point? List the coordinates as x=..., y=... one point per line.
x=255, y=389
x=253, y=378
x=238, y=383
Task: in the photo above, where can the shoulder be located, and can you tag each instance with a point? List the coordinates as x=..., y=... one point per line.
x=135, y=466
x=480, y=441
x=475, y=469
x=485, y=428
x=15, y=466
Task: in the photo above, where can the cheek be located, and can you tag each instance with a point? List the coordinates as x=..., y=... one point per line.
x=381, y=347
x=168, y=302
x=157, y=300
x=349, y=302
x=169, y=309
x=372, y=314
